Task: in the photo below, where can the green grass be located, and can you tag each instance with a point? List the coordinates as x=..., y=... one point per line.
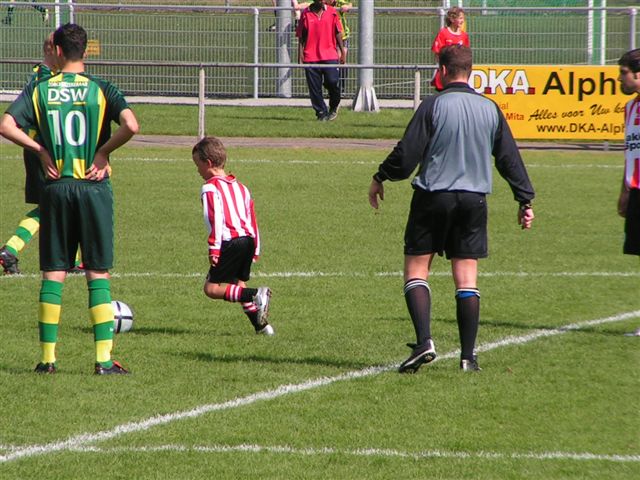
x=268, y=122
x=333, y=264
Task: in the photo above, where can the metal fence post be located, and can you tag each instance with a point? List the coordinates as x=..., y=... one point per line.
x=256, y=51
x=633, y=14
x=283, y=40
x=201, y=112
x=366, y=100
x=416, y=90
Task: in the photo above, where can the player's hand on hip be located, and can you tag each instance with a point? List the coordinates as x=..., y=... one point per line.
x=376, y=189
x=99, y=168
x=50, y=170
x=525, y=218
x=213, y=259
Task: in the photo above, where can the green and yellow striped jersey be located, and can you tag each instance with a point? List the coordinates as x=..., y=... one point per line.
x=72, y=113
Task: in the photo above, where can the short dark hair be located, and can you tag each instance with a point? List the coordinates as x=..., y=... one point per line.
x=72, y=40
x=457, y=59
x=631, y=60
x=210, y=148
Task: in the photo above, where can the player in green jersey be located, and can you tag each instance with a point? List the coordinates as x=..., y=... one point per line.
x=34, y=182
x=72, y=114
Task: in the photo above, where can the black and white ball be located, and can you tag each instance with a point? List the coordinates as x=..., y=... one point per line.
x=122, y=317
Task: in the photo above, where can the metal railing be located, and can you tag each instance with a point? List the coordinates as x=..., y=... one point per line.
x=143, y=48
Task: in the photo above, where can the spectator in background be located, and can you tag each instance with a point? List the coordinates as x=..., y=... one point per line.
x=629, y=199
x=452, y=34
x=343, y=6
x=319, y=34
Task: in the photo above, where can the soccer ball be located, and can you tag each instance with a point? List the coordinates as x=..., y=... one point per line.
x=122, y=317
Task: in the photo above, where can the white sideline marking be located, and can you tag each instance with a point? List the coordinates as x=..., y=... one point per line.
x=361, y=452
x=315, y=274
x=373, y=161
x=83, y=439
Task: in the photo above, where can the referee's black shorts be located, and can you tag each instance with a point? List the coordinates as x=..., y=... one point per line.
x=451, y=222
x=236, y=257
x=632, y=224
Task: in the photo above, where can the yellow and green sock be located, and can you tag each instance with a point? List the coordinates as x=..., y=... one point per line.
x=27, y=228
x=101, y=314
x=49, y=318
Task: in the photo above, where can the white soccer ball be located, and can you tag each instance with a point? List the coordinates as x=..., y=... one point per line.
x=122, y=317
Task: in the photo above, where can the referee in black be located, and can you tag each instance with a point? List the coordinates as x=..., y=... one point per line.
x=451, y=138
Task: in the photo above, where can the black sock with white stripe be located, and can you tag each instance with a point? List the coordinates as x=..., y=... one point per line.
x=468, y=316
x=418, y=296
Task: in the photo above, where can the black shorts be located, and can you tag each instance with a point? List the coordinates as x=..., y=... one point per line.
x=236, y=257
x=632, y=224
x=450, y=222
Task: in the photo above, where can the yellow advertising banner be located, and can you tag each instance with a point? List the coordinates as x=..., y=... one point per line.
x=556, y=102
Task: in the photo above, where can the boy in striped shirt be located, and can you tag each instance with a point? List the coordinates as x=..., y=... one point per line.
x=233, y=236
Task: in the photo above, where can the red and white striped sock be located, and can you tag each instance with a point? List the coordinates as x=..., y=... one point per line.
x=233, y=293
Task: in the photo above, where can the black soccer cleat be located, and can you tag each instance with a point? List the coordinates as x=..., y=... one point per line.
x=115, y=369
x=420, y=355
x=469, y=365
x=45, y=368
x=9, y=262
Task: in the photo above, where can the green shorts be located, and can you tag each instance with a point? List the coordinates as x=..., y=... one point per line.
x=76, y=213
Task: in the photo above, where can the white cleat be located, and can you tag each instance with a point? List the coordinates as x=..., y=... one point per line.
x=266, y=330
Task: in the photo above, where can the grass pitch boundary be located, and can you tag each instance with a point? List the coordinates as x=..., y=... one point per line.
x=316, y=274
x=360, y=452
x=376, y=159
x=83, y=440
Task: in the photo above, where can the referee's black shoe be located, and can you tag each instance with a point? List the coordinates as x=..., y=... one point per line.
x=469, y=365
x=421, y=354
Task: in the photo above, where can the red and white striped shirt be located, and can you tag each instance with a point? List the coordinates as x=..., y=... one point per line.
x=632, y=144
x=228, y=212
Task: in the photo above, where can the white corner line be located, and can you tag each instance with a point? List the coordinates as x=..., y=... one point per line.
x=82, y=440
x=361, y=452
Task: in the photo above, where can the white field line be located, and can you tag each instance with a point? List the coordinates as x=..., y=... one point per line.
x=316, y=274
x=84, y=439
x=361, y=452
x=375, y=160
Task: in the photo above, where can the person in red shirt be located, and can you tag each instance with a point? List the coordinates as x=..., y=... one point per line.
x=452, y=34
x=319, y=34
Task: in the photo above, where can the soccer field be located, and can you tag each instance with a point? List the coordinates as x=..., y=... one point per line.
x=557, y=397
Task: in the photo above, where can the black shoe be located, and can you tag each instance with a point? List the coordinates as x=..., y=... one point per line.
x=333, y=114
x=420, y=355
x=322, y=117
x=272, y=28
x=116, y=369
x=471, y=365
x=45, y=368
x=9, y=262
